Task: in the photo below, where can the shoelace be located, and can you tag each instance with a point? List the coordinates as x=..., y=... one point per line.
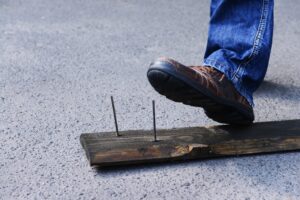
x=209, y=71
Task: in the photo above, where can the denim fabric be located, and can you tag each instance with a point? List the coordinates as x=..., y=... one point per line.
x=240, y=40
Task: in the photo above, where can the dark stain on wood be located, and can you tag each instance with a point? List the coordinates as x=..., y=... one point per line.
x=133, y=147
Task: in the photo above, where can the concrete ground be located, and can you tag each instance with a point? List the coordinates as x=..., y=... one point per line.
x=61, y=60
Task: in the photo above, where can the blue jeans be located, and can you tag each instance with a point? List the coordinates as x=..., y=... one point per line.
x=239, y=41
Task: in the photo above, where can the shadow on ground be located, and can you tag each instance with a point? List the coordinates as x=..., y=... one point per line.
x=273, y=89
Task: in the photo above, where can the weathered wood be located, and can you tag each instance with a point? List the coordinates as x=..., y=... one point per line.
x=131, y=147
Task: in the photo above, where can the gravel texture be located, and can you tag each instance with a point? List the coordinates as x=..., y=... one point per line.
x=61, y=60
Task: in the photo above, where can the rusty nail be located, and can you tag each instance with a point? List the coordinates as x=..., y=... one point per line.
x=115, y=116
x=154, y=121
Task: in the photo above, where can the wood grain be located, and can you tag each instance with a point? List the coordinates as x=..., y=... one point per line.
x=132, y=147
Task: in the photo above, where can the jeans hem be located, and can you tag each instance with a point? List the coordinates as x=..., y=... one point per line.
x=222, y=67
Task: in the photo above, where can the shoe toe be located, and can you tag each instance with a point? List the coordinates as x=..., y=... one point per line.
x=157, y=78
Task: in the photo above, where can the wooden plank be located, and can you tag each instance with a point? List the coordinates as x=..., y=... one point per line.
x=132, y=147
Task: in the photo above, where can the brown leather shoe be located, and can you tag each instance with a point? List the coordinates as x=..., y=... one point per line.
x=200, y=86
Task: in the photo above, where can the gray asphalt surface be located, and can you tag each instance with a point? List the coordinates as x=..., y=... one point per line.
x=61, y=60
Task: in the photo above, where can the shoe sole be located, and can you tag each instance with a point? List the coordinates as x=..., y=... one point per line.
x=168, y=82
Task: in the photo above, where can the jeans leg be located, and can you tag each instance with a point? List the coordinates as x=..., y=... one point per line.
x=240, y=40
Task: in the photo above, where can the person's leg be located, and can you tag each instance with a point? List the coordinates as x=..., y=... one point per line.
x=235, y=63
x=239, y=41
